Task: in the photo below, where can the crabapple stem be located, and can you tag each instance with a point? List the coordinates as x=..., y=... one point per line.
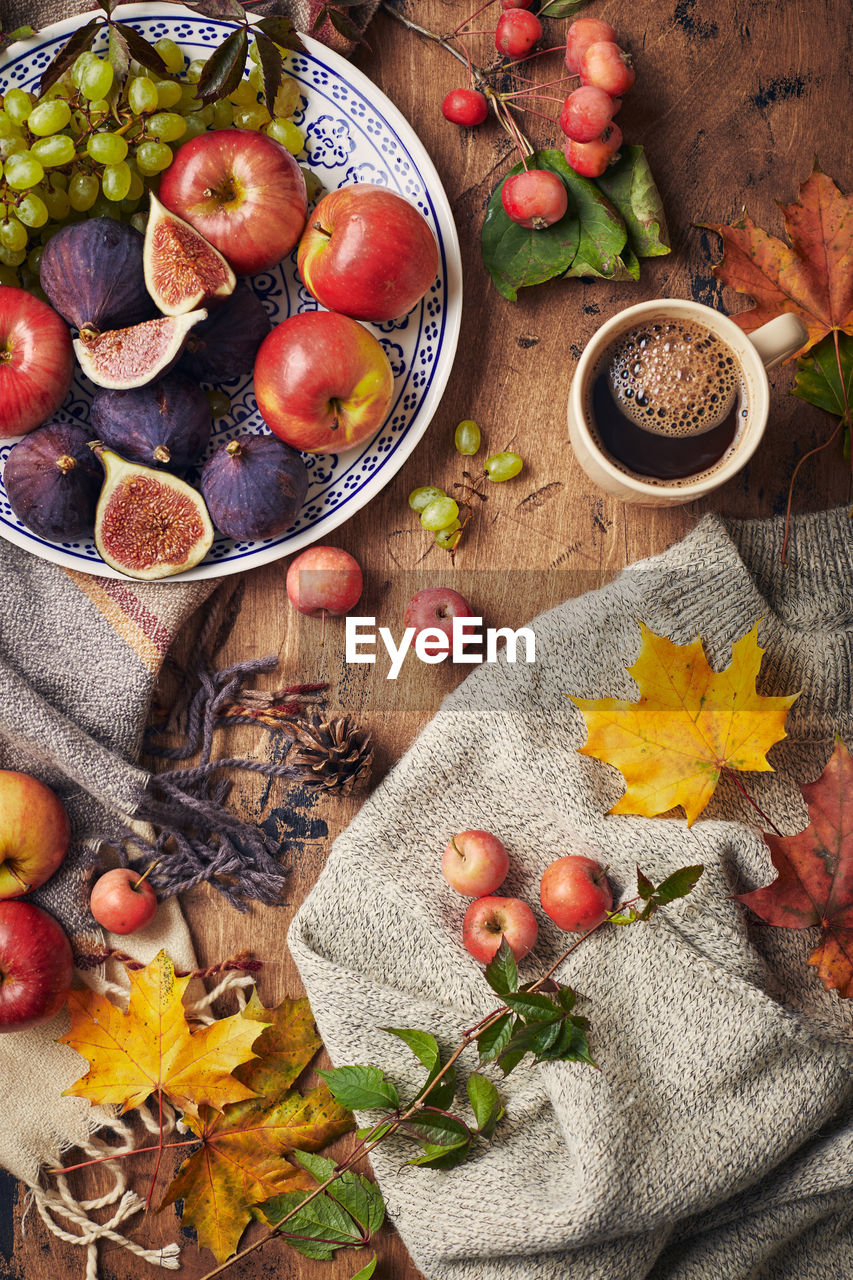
x=437, y=39
x=147, y=872
x=471, y=17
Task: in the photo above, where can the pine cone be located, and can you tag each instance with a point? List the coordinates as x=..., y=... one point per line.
x=335, y=755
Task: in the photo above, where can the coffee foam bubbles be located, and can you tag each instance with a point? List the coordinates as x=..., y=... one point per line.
x=673, y=377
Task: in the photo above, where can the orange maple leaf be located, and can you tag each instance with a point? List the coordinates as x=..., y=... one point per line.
x=152, y=1049
x=811, y=277
x=689, y=725
x=815, y=881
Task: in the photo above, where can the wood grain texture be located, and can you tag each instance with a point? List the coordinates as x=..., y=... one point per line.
x=733, y=101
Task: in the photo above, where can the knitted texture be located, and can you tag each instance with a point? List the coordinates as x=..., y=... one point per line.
x=716, y=1140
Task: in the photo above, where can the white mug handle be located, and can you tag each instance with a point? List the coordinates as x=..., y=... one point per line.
x=778, y=339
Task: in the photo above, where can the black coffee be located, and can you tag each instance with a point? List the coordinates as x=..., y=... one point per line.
x=668, y=399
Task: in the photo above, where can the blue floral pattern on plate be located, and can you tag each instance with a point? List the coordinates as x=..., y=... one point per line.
x=353, y=134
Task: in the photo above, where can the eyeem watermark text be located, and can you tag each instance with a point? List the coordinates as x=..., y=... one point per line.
x=468, y=642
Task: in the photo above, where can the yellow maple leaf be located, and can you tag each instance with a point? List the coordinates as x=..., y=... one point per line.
x=689, y=724
x=152, y=1048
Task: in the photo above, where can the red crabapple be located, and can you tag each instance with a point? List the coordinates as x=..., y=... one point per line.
x=517, y=32
x=474, y=863
x=605, y=66
x=534, y=198
x=516, y=4
x=586, y=113
x=590, y=159
x=488, y=920
x=433, y=609
x=122, y=901
x=574, y=892
x=581, y=34
x=324, y=580
x=465, y=106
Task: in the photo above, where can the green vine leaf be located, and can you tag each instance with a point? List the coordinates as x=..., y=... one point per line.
x=223, y=71
x=118, y=54
x=316, y=1230
x=442, y=1157
x=271, y=68
x=367, y=1271
x=227, y=9
x=438, y=1128
x=281, y=31
x=361, y=1088
x=502, y=971
x=360, y=1197
x=82, y=39
x=492, y=1041
x=629, y=186
x=562, y=8
x=516, y=257
x=485, y=1103
x=144, y=53
x=818, y=380
x=533, y=1007
x=678, y=885
x=423, y=1045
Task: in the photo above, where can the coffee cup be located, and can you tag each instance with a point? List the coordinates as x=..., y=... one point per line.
x=594, y=436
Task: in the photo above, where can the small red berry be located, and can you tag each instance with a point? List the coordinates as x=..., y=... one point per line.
x=608, y=67
x=586, y=113
x=517, y=32
x=580, y=35
x=590, y=159
x=534, y=198
x=465, y=106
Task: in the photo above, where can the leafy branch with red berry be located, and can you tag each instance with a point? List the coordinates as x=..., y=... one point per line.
x=589, y=208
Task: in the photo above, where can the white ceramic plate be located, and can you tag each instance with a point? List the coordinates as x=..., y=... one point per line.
x=353, y=134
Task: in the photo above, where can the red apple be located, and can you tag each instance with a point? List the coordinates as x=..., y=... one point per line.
x=36, y=361
x=433, y=609
x=475, y=863
x=243, y=191
x=323, y=382
x=367, y=253
x=34, y=833
x=36, y=966
x=122, y=902
x=575, y=893
x=489, y=919
x=324, y=580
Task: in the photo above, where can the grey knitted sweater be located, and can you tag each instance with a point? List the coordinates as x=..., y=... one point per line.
x=715, y=1142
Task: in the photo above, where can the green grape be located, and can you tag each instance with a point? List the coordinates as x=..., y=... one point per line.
x=165, y=126
x=205, y=114
x=32, y=210
x=58, y=180
x=195, y=127
x=439, y=513
x=17, y=104
x=9, y=277
x=57, y=203
x=137, y=187
x=34, y=258
x=59, y=149
x=107, y=148
x=96, y=79
x=83, y=191
x=8, y=128
x=256, y=79
x=115, y=181
x=254, y=117
x=194, y=70
x=287, y=98
x=286, y=132
x=219, y=402
x=12, y=147
x=104, y=208
x=13, y=234
x=254, y=52
x=49, y=117
x=98, y=111
x=420, y=498
x=12, y=257
x=139, y=221
x=467, y=438
x=223, y=114
x=503, y=466
x=23, y=171
x=171, y=54
x=168, y=94
x=152, y=157
x=62, y=88
x=244, y=95
x=448, y=538
x=142, y=95
x=188, y=100
x=129, y=206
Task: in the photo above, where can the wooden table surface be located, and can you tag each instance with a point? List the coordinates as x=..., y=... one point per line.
x=733, y=101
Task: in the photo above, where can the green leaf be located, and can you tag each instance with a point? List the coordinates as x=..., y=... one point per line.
x=818, y=380
x=502, y=971
x=561, y=1044
x=438, y=1128
x=509, y=1061
x=645, y=888
x=567, y=998
x=362, y=1200
x=367, y=1271
x=271, y=68
x=623, y=917
x=534, y=1007
x=322, y=1224
x=320, y=1167
x=516, y=257
x=144, y=53
x=602, y=232
x=534, y=1038
x=360, y=1088
x=223, y=70
x=82, y=39
x=485, y=1103
x=282, y=31
x=423, y=1045
x=678, y=885
x=219, y=9
x=492, y=1041
x=631, y=188
x=562, y=8
x=442, y=1157
x=441, y=1093
x=578, y=1048
x=377, y=1130
x=119, y=54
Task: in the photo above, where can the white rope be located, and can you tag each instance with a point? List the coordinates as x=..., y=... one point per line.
x=90, y=1233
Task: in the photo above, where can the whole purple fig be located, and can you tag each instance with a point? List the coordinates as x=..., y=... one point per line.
x=225, y=345
x=92, y=273
x=165, y=423
x=53, y=480
x=254, y=487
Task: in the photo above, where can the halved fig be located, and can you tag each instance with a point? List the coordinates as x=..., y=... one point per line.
x=132, y=357
x=182, y=269
x=149, y=524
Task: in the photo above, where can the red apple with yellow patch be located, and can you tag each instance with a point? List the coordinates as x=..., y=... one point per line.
x=34, y=833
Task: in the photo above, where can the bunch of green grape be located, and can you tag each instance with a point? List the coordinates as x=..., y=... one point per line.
x=439, y=513
x=81, y=150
